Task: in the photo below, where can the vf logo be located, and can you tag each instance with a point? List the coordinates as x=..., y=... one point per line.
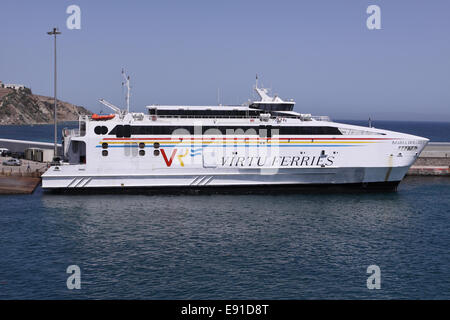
x=180, y=156
x=374, y=280
x=74, y=280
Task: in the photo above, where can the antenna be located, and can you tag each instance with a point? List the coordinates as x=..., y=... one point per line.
x=218, y=96
x=127, y=84
x=256, y=85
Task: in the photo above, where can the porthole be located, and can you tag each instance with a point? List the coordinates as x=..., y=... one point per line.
x=101, y=130
x=141, y=145
x=104, y=145
x=142, y=152
x=156, y=152
x=156, y=145
x=104, y=153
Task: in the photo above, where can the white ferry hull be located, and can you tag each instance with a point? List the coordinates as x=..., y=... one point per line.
x=302, y=178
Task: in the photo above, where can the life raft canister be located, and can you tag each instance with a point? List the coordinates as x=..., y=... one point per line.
x=98, y=117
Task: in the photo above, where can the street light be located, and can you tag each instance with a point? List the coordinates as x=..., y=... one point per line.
x=54, y=33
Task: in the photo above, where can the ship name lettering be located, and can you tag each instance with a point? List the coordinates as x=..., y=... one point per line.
x=282, y=161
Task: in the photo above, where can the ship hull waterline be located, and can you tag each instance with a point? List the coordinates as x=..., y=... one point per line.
x=317, y=179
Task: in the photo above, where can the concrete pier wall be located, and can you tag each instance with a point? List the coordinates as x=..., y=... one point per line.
x=433, y=161
x=436, y=150
x=18, y=184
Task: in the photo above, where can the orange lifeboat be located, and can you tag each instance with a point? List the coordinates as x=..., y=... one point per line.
x=98, y=117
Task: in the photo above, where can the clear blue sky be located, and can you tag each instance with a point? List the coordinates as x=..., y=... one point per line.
x=318, y=52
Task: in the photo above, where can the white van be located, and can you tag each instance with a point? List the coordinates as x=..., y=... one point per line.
x=3, y=151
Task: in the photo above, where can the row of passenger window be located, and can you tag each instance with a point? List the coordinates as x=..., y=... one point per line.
x=206, y=112
x=141, y=153
x=124, y=131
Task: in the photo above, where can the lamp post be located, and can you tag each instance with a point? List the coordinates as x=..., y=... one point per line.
x=54, y=33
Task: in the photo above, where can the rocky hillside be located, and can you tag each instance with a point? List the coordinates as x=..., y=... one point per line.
x=23, y=107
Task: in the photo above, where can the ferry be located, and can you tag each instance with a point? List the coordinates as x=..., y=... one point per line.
x=261, y=145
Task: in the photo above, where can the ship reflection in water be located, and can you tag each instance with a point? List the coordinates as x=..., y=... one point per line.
x=230, y=246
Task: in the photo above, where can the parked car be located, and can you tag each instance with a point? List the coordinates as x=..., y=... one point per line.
x=12, y=162
x=18, y=155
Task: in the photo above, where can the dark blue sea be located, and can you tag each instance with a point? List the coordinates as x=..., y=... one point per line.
x=296, y=246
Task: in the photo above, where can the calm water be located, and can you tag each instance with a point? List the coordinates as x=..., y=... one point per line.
x=228, y=246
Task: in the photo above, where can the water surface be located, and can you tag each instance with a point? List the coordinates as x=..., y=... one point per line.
x=229, y=246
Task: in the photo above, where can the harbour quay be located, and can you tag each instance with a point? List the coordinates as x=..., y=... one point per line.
x=433, y=161
x=23, y=178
